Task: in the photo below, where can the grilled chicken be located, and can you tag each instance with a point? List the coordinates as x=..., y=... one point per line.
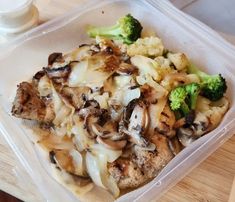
x=143, y=165
x=27, y=103
x=151, y=162
x=127, y=173
x=166, y=122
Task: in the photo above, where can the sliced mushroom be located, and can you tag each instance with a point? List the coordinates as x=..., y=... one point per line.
x=106, y=131
x=37, y=77
x=118, y=136
x=189, y=133
x=200, y=125
x=149, y=147
x=139, y=119
x=95, y=120
x=175, y=145
x=137, y=138
x=187, y=120
x=76, y=96
x=185, y=131
x=116, y=109
x=57, y=72
x=115, y=145
x=185, y=136
x=55, y=57
x=98, y=130
x=127, y=111
x=95, y=48
x=89, y=107
x=135, y=122
x=90, y=120
x=58, y=75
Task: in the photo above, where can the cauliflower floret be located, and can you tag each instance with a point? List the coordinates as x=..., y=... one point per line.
x=147, y=79
x=163, y=62
x=148, y=46
x=165, y=68
x=193, y=78
x=213, y=110
x=180, y=60
x=157, y=68
x=146, y=66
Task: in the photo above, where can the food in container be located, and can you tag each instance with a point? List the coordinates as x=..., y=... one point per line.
x=206, y=144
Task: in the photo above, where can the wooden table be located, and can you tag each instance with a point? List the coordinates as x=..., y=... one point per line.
x=211, y=181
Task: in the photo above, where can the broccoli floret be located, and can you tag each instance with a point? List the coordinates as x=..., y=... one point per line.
x=213, y=87
x=184, y=98
x=127, y=29
x=193, y=90
x=178, y=97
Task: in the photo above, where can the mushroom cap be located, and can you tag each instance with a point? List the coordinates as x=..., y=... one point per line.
x=110, y=144
x=135, y=123
x=185, y=136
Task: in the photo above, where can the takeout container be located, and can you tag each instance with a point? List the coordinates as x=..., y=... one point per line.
x=179, y=32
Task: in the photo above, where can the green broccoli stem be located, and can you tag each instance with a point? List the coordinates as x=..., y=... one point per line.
x=184, y=108
x=193, y=101
x=112, y=31
x=192, y=69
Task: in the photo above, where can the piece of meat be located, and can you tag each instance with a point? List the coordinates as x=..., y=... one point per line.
x=143, y=165
x=29, y=105
x=166, y=122
x=126, y=173
x=152, y=162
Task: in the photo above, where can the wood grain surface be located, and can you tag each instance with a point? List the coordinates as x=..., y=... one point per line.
x=209, y=182
x=232, y=193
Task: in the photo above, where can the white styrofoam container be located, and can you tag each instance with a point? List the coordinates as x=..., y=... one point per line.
x=179, y=32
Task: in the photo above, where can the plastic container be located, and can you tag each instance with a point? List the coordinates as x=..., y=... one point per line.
x=179, y=32
x=17, y=16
